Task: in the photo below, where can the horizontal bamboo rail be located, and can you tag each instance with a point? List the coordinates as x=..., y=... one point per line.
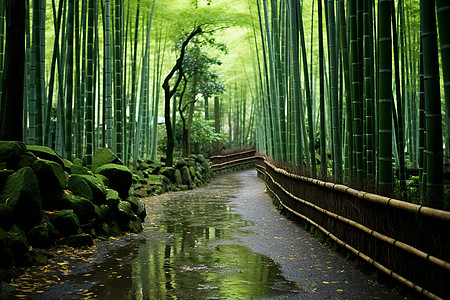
x=401, y=205
x=232, y=163
x=232, y=154
x=366, y=258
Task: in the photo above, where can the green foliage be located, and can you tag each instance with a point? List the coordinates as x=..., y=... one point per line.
x=202, y=131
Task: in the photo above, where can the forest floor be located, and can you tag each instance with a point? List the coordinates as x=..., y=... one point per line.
x=222, y=241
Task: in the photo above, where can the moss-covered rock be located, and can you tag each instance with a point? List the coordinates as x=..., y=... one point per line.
x=42, y=234
x=104, y=156
x=51, y=177
x=120, y=178
x=138, y=207
x=177, y=177
x=134, y=226
x=112, y=198
x=97, y=187
x=45, y=153
x=167, y=171
x=6, y=216
x=19, y=243
x=4, y=174
x=185, y=176
x=65, y=222
x=125, y=213
x=78, y=185
x=84, y=209
x=10, y=151
x=6, y=254
x=21, y=193
x=192, y=171
x=104, y=212
x=77, y=162
x=79, y=170
x=25, y=159
x=79, y=240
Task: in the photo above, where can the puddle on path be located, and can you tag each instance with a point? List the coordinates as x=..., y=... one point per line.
x=189, y=249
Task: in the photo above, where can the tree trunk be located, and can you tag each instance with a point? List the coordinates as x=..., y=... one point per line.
x=170, y=92
x=12, y=98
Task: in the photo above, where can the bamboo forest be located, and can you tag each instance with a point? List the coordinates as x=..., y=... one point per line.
x=106, y=104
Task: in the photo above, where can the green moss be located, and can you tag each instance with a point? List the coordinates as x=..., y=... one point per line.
x=104, y=156
x=45, y=153
x=120, y=178
x=97, y=187
x=66, y=222
x=78, y=185
x=21, y=193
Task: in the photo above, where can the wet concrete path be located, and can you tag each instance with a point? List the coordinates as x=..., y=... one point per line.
x=223, y=241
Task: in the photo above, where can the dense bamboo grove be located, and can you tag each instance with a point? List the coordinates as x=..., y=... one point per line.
x=381, y=107
x=352, y=90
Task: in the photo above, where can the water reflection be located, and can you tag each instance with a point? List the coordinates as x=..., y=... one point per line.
x=192, y=250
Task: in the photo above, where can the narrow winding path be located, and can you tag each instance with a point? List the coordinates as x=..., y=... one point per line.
x=223, y=241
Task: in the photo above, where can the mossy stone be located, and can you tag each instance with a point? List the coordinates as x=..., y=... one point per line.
x=84, y=209
x=11, y=150
x=21, y=193
x=185, y=175
x=138, y=207
x=125, y=213
x=6, y=216
x=65, y=222
x=167, y=171
x=6, y=254
x=120, y=178
x=45, y=153
x=104, y=156
x=25, y=159
x=78, y=185
x=79, y=240
x=51, y=177
x=134, y=226
x=112, y=198
x=97, y=187
x=19, y=243
x=104, y=212
x=77, y=162
x=177, y=177
x=4, y=174
x=41, y=235
x=79, y=170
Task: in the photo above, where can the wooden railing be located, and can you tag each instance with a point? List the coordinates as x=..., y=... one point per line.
x=222, y=162
x=408, y=242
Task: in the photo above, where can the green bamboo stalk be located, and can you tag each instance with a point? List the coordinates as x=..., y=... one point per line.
x=27, y=90
x=443, y=15
x=323, y=146
x=133, y=99
x=57, y=23
x=89, y=83
x=357, y=103
x=2, y=41
x=348, y=151
x=118, y=77
x=400, y=115
x=69, y=83
x=368, y=89
x=273, y=91
x=78, y=100
x=385, y=97
x=433, y=118
x=108, y=76
x=311, y=154
x=335, y=116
